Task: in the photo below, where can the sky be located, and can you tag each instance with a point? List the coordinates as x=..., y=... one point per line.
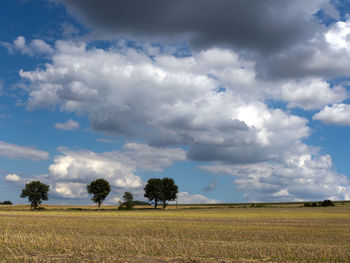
x=237, y=101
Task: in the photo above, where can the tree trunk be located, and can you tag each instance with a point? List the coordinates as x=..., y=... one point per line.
x=155, y=204
x=164, y=204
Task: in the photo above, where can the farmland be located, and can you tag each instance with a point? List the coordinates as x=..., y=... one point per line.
x=207, y=234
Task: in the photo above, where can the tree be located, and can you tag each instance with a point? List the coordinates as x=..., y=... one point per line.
x=161, y=190
x=99, y=189
x=153, y=190
x=327, y=203
x=36, y=191
x=128, y=197
x=169, y=190
x=128, y=200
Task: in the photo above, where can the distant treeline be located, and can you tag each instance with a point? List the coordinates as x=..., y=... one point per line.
x=6, y=203
x=323, y=203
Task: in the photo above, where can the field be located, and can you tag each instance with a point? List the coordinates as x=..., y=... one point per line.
x=208, y=234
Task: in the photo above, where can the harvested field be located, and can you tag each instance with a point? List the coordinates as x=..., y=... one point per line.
x=200, y=235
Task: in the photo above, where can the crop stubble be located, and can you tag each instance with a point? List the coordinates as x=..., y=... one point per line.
x=203, y=235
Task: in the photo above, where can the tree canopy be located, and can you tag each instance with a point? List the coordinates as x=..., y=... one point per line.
x=153, y=190
x=99, y=189
x=128, y=201
x=161, y=190
x=36, y=192
x=169, y=190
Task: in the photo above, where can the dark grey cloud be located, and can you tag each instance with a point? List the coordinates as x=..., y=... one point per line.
x=264, y=26
x=240, y=153
x=284, y=38
x=306, y=60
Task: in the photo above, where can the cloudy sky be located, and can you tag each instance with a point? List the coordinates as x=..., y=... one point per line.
x=238, y=101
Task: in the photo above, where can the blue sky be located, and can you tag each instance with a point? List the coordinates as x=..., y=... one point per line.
x=244, y=101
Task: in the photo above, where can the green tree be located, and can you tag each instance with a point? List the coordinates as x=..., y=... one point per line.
x=161, y=190
x=327, y=203
x=153, y=190
x=128, y=200
x=36, y=191
x=169, y=190
x=99, y=189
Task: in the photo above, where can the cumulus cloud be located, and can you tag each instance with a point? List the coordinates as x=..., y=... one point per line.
x=272, y=25
x=322, y=56
x=35, y=47
x=337, y=114
x=68, y=125
x=212, y=102
x=287, y=40
x=198, y=101
x=187, y=198
x=338, y=36
x=303, y=175
x=70, y=189
x=13, y=151
x=12, y=178
x=312, y=94
x=73, y=170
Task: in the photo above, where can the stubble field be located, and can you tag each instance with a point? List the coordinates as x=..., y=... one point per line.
x=186, y=235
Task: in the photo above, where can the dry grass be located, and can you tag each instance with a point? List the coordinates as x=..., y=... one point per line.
x=199, y=235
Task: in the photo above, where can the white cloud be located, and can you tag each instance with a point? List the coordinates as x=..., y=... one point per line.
x=68, y=125
x=115, y=200
x=187, y=198
x=337, y=114
x=338, y=36
x=73, y=170
x=13, y=151
x=212, y=103
x=70, y=190
x=281, y=193
x=12, y=178
x=202, y=101
x=303, y=175
x=311, y=94
x=87, y=166
x=35, y=47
